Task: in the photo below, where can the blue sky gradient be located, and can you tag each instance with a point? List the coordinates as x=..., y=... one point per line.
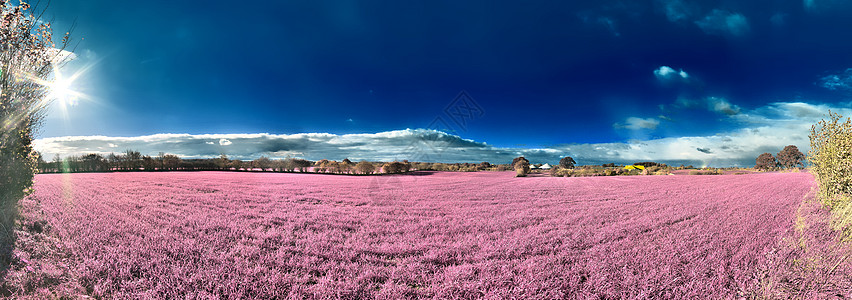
x=545, y=74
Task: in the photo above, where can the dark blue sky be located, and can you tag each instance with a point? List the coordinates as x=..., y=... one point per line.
x=544, y=73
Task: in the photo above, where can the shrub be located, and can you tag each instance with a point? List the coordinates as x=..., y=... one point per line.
x=649, y=164
x=831, y=158
x=706, y=172
x=521, y=166
x=555, y=171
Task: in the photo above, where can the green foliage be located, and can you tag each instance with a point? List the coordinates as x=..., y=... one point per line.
x=831, y=158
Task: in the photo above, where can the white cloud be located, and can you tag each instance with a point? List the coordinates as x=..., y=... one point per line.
x=765, y=129
x=634, y=123
x=840, y=81
x=721, y=22
x=224, y=142
x=60, y=56
x=721, y=105
x=667, y=74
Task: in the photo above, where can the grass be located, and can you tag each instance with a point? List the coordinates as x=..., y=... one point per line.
x=446, y=235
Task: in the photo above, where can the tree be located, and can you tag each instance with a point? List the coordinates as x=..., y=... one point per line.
x=790, y=157
x=93, y=162
x=222, y=162
x=302, y=164
x=289, y=164
x=365, y=167
x=333, y=167
x=133, y=160
x=160, y=157
x=236, y=164
x=766, y=162
x=57, y=163
x=346, y=166
x=171, y=162
x=27, y=67
x=321, y=165
x=567, y=162
x=149, y=163
x=263, y=163
x=521, y=166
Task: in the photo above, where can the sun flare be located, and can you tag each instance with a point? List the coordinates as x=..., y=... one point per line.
x=61, y=90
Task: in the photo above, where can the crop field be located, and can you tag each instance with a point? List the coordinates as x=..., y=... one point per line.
x=445, y=235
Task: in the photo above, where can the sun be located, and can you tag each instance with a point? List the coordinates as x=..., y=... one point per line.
x=61, y=90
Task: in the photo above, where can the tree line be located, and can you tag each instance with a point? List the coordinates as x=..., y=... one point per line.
x=131, y=160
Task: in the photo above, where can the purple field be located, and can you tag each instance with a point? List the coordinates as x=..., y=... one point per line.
x=437, y=235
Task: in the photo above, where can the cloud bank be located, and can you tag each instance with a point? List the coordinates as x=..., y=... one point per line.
x=765, y=129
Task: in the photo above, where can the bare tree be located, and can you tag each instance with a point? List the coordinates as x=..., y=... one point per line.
x=263, y=163
x=133, y=160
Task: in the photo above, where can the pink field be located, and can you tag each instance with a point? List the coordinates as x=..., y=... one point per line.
x=445, y=235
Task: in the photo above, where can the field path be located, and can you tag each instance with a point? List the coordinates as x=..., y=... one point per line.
x=444, y=235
